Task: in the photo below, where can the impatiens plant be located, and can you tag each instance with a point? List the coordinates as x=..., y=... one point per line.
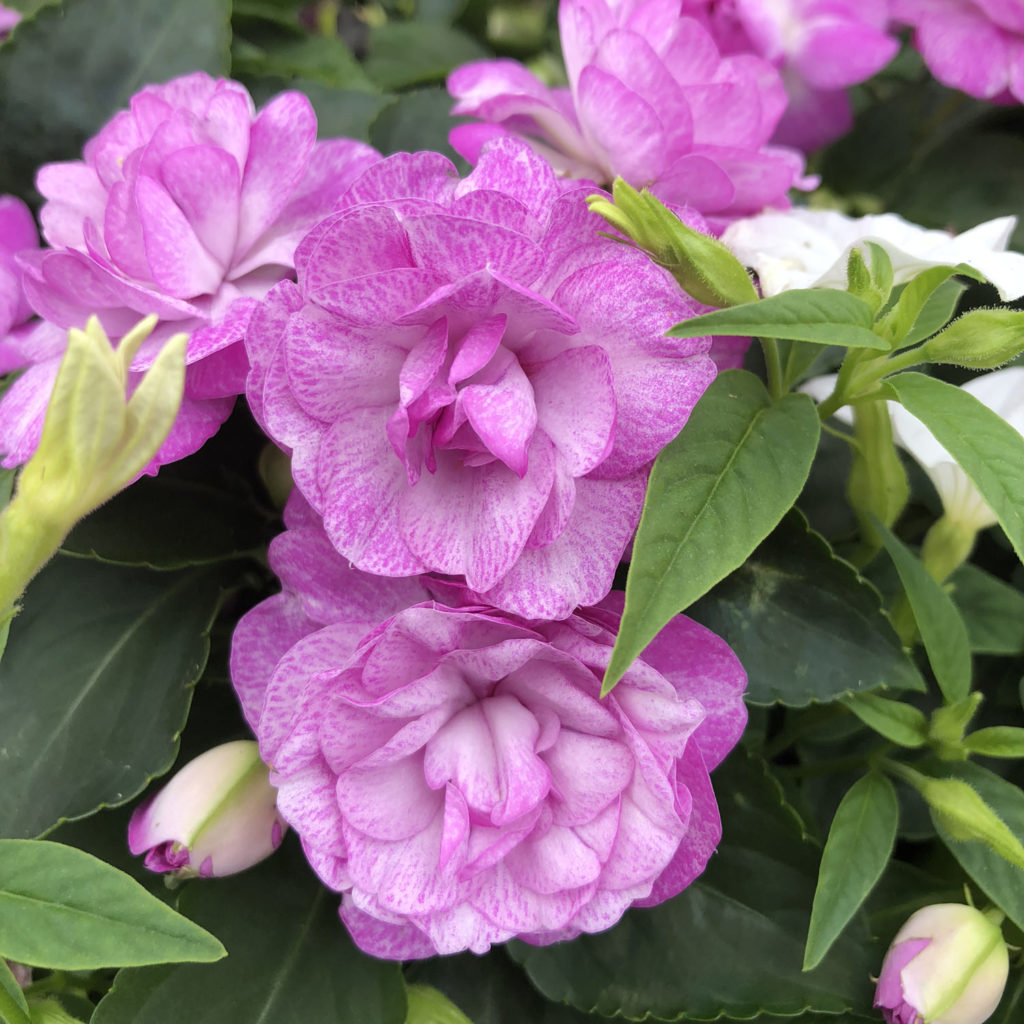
x=560, y=560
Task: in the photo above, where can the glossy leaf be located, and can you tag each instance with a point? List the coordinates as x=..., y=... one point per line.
x=942, y=630
x=984, y=445
x=992, y=610
x=95, y=686
x=61, y=908
x=715, y=493
x=805, y=625
x=824, y=316
x=289, y=959
x=859, y=845
x=66, y=72
x=735, y=935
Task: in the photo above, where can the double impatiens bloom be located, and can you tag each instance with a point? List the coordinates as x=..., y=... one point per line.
x=472, y=384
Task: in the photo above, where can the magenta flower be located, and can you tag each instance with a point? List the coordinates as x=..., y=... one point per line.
x=650, y=99
x=472, y=382
x=820, y=48
x=454, y=774
x=976, y=46
x=188, y=205
x=217, y=816
x=8, y=19
x=17, y=233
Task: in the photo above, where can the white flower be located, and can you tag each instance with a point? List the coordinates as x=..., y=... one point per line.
x=803, y=248
x=1003, y=392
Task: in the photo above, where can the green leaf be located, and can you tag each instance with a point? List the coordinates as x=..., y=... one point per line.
x=942, y=630
x=825, y=316
x=170, y=522
x=735, y=936
x=981, y=339
x=95, y=686
x=13, y=1008
x=872, y=284
x=715, y=493
x=916, y=313
x=1001, y=881
x=993, y=611
x=416, y=120
x=289, y=959
x=859, y=845
x=896, y=721
x=63, y=909
x=984, y=445
x=68, y=70
x=417, y=52
x=996, y=741
x=323, y=59
x=805, y=625
x=428, y=1006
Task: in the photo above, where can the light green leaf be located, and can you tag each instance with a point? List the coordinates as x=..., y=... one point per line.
x=13, y=1008
x=1001, y=881
x=824, y=316
x=428, y=1006
x=993, y=611
x=996, y=741
x=95, y=686
x=63, y=909
x=915, y=315
x=859, y=845
x=715, y=493
x=808, y=628
x=289, y=959
x=942, y=630
x=985, y=446
x=877, y=488
x=981, y=339
x=896, y=721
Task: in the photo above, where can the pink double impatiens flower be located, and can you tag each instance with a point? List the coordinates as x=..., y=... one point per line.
x=188, y=205
x=451, y=769
x=650, y=99
x=472, y=382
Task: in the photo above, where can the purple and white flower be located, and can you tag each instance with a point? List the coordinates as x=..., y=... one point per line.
x=189, y=206
x=472, y=382
x=650, y=99
x=17, y=234
x=217, y=816
x=452, y=771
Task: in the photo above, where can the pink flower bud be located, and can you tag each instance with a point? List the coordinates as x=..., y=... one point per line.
x=947, y=965
x=218, y=815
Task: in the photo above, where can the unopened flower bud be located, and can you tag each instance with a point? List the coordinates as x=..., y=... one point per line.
x=947, y=965
x=218, y=815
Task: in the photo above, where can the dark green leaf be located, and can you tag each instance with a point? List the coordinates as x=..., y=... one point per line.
x=997, y=878
x=984, y=445
x=416, y=120
x=169, y=522
x=13, y=1008
x=715, y=493
x=68, y=70
x=64, y=909
x=735, y=935
x=859, y=845
x=323, y=59
x=896, y=721
x=992, y=610
x=824, y=316
x=804, y=624
x=418, y=52
x=289, y=959
x=95, y=686
x=342, y=113
x=942, y=630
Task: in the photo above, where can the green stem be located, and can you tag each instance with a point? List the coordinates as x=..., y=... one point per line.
x=27, y=542
x=773, y=367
